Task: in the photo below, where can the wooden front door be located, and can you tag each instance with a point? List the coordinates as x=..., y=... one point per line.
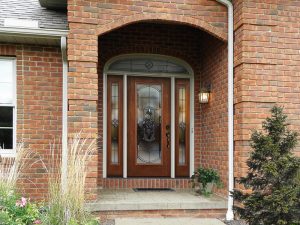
x=149, y=120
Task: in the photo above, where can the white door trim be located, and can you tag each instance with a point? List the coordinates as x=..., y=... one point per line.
x=173, y=164
x=143, y=74
x=125, y=126
x=104, y=169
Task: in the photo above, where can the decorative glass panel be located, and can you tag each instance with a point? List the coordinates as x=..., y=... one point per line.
x=148, y=65
x=115, y=123
x=149, y=124
x=182, y=125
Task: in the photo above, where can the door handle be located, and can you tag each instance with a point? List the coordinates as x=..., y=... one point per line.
x=168, y=135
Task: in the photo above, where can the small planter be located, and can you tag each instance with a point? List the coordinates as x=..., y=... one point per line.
x=204, y=181
x=208, y=188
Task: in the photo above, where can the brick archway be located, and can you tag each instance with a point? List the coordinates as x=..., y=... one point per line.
x=197, y=23
x=88, y=24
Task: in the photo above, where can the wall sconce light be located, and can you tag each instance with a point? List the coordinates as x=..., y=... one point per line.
x=204, y=94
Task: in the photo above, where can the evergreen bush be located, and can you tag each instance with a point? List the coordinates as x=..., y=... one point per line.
x=273, y=191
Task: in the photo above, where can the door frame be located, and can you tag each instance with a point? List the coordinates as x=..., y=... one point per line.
x=172, y=77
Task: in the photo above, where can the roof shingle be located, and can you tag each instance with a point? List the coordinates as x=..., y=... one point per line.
x=31, y=10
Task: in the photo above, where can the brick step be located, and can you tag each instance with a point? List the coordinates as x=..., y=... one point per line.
x=120, y=183
x=118, y=203
x=109, y=216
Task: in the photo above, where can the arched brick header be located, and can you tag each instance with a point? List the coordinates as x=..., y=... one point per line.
x=197, y=23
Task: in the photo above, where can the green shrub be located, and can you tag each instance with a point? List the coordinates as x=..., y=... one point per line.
x=273, y=190
x=17, y=210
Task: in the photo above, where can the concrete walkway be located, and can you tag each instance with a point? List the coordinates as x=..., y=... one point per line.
x=167, y=221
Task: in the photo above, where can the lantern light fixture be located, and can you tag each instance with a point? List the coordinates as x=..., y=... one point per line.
x=204, y=94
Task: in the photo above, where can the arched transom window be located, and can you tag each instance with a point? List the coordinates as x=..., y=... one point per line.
x=148, y=64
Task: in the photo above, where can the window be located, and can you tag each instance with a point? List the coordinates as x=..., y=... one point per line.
x=147, y=65
x=7, y=106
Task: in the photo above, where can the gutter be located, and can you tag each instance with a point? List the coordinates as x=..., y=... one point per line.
x=229, y=214
x=31, y=32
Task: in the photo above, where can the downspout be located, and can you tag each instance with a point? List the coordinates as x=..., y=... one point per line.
x=64, y=160
x=229, y=214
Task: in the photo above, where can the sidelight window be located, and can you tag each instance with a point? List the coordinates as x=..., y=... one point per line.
x=182, y=127
x=115, y=124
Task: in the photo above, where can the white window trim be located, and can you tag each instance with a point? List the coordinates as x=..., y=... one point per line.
x=12, y=152
x=172, y=77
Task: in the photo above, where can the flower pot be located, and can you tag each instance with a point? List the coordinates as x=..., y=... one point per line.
x=208, y=189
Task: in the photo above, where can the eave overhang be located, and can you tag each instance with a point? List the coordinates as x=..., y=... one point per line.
x=54, y=4
x=32, y=36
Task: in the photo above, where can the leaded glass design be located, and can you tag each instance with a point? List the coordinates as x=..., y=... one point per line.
x=114, y=123
x=148, y=123
x=182, y=125
x=147, y=65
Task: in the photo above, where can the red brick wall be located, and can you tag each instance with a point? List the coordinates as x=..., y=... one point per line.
x=39, y=100
x=266, y=67
x=213, y=141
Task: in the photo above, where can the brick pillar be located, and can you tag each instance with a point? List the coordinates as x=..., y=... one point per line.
x=255, y=71
x=83, y=92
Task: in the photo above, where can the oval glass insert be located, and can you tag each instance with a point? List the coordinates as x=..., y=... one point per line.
x=148, y=124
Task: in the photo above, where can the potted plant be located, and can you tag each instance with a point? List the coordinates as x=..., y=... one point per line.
x=204, y=179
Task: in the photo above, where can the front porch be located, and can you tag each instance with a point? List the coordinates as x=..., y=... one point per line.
x=157, y=138
x=144, y=111
x=119, y=203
